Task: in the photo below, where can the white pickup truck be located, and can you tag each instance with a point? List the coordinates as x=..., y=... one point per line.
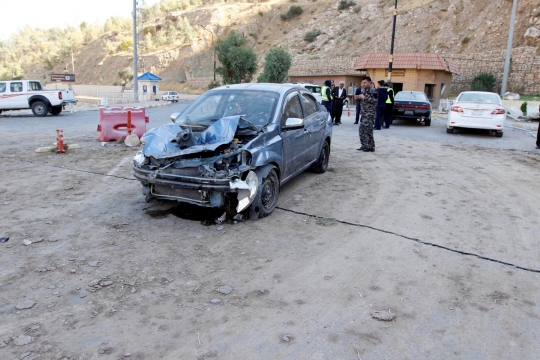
x=28, y=94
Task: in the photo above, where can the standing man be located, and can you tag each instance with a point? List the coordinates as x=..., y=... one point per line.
x=356, y=93
x=340, y=94
x=326, y=95
x=389, y=108
x=368, y=101
x=332, y=86
x=381, y=103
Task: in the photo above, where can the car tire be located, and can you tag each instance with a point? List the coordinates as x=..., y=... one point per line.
x=450, y=131
x=498, y=134
x=40, y=109
x=55, y=110
x=321, y=164
x=427, y=122
x=267, y=193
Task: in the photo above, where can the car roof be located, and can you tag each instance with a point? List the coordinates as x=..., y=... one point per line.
x=479, y=92
x=280, y=88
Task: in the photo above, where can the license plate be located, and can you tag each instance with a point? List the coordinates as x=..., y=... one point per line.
x=477, y=112
x=409, y=112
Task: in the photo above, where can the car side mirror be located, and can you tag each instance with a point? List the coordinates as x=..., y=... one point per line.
x=174, y=116
x=293, y=124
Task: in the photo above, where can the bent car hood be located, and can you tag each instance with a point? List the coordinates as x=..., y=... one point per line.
x=159, y=140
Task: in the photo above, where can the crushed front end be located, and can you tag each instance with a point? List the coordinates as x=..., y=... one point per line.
x=208, y=168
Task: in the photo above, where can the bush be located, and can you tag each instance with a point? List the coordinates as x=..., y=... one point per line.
x=465, y=40
x=276, y=66
x=357, y=9
x=524, y=108
x=125, y=45
x=211, y=85
x=344, y=4
x=312, y=35
x=238, y=60
x=294, y=10
x=483, y=82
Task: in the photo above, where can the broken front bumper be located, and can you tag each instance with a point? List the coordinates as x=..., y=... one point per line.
x=207, y=192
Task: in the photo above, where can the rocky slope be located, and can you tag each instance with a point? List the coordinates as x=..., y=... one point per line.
x=448, y=26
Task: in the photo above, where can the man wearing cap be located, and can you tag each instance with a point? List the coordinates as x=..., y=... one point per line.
x=368, y=103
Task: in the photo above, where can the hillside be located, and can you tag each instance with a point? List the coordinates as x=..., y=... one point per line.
x=179, y=51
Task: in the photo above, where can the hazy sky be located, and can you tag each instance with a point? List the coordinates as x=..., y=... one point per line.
x=16, y=14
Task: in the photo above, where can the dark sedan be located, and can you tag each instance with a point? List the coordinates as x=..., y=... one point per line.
x=412, y=105
x=234, y=147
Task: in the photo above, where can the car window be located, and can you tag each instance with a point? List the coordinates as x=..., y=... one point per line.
x=477, y=97
x=257, y=107
x=2, y=87
x=293, y=109
x=173, y=93
x=309, y=104
x=411, y=96
x=15, y=87
x=314, y=89
x=34, y=86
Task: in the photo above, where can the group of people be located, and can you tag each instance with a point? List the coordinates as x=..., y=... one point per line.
x=333, y=99
x=374, y=107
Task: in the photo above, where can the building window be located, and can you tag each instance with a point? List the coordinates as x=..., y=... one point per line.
x=429, y=89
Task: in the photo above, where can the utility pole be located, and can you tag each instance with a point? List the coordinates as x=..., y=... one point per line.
x=211, y=33
x=391, y=60
x=135, y=71
x=509, y=49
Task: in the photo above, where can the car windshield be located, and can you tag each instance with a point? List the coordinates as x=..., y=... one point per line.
x=479, y=98
x=256, y=107
x=411, y=96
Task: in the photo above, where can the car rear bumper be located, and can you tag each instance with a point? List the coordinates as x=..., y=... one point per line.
x=411, y=114
x=496, y=123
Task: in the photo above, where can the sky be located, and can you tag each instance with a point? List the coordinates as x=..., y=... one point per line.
x=59, y=13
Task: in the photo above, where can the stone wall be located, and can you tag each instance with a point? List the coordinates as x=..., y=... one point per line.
x=524, y=75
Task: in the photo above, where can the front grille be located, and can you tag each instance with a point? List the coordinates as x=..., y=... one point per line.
x=178, y=193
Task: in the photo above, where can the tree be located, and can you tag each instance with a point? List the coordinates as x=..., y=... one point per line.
x=238, y=60
x=276, y=66
x=483, y=82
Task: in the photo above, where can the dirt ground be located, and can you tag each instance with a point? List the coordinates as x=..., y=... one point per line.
x=421, y=250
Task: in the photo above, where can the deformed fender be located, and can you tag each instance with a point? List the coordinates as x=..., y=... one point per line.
x=247, y=190
x=266, y=151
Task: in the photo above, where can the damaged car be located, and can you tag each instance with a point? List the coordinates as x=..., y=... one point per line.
x=234, y=148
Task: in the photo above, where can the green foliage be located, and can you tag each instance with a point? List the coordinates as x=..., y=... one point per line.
x=150, y=30
x=261, y=14
x=125, y=45
x=344, y=4
x=238, y=60
x=276, y=66
x=465, y=40
x=211, y=85
x=524, y=108
x=125, y=75
x=312, y=35
x=357, y=9
x=294, y=10
x=483, y=82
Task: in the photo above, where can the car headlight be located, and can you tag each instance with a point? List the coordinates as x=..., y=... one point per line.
x=139, y=159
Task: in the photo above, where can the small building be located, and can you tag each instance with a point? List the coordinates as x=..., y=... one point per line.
x=427, y=72
x=148, y=84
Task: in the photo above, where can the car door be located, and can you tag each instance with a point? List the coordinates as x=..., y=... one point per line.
x=18, y=99
x=294, y=144
x=4, y=99
x=315, y=124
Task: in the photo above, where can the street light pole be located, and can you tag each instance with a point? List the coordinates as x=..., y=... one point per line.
x=211, y=33
x=391, y=60
x=509, y=49
x=135, y=70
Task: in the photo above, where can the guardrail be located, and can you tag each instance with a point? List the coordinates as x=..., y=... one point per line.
x=115, y=98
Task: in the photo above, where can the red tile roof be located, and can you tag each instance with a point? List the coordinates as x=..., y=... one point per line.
x=419, y=61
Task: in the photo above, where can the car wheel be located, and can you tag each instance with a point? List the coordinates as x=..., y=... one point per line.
x=427, y=122
x=55, y=110
x=450, y=131
x=498, y=134
x=267, y=193
x=40, y=109
x=321, y=164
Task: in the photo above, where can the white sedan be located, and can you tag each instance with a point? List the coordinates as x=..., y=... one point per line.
x=477, y=110
x=170, y=96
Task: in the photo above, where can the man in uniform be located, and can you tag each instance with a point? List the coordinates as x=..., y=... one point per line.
x=368, y=104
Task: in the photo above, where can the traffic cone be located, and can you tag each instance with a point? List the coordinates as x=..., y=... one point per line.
x=60, y=141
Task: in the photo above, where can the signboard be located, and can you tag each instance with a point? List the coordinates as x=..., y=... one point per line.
x=63, y=77
x=396, y=72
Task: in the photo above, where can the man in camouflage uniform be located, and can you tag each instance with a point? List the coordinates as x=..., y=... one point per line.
x=368, y=105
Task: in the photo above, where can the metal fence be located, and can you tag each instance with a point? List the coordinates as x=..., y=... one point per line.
x=114, y=98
